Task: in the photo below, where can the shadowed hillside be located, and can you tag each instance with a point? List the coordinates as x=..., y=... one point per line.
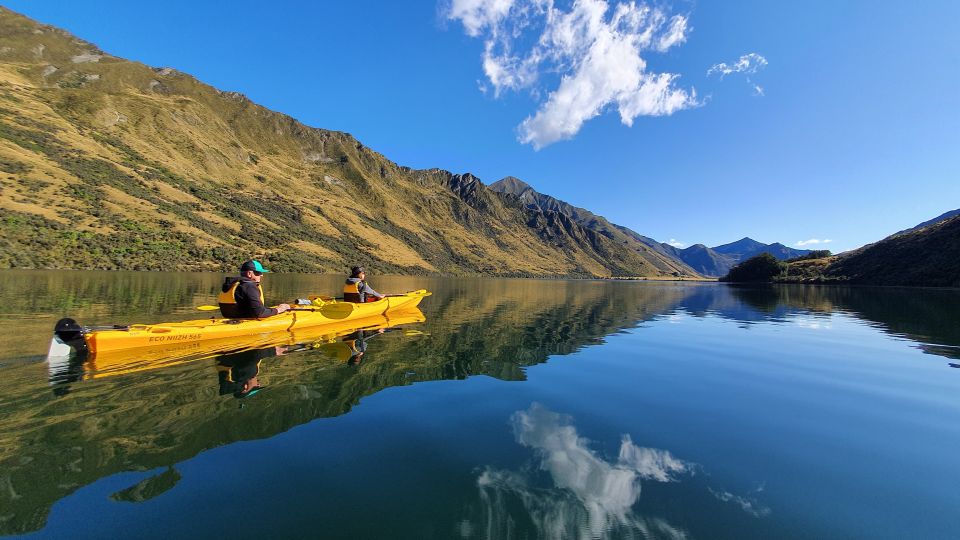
x=927, y=255
x=111, y=164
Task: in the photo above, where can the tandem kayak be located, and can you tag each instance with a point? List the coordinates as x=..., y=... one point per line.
x=143, y=337
x=322, y=337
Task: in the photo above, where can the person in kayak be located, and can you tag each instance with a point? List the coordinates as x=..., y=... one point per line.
x=356, y=289
x=242, y=298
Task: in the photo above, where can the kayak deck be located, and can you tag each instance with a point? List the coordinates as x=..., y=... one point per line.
x=162, y=335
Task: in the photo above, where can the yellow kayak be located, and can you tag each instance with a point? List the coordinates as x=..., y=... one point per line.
x=187, y=334
x=122, y=362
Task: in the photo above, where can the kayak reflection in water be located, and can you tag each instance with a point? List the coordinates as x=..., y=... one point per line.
x=238, y=372
x=355, y=345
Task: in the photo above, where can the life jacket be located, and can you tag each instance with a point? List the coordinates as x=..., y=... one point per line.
x=351, y=292
x=228, y=299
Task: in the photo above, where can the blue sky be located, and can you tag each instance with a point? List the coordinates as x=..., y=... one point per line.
x=849, y=131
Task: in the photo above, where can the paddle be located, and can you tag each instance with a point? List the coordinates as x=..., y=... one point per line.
x=322, y=297
x=215, y=308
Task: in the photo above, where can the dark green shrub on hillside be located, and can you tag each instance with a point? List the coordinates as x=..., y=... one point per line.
x=762, y=268
x=815, y=254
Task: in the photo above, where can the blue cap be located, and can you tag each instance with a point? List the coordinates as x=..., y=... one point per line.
x=253, y=265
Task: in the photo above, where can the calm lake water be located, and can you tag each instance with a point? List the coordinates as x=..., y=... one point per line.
x=517, y=409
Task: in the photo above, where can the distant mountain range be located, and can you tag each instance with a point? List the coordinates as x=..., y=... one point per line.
x=717, y=261
x=699, y=258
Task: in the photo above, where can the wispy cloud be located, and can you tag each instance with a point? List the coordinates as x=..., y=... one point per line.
x=675, y=243
x=748, y=65
x=812, y=242
x=748, y=505
x=594, y=48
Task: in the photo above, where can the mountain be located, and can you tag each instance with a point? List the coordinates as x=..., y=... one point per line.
x=745, y=248
x=927, y=255
x=704, y=260
x=719, y=260
x=938, y=219
x=107, y=163
x=629, y=240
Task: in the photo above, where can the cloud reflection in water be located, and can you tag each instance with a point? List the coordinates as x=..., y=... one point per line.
x=594, y=498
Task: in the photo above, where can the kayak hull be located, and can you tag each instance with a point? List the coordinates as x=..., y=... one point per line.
x=125, y=361
x=189, y=334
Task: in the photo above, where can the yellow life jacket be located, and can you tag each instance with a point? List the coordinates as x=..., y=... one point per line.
x=228, y=301
x=351, y=292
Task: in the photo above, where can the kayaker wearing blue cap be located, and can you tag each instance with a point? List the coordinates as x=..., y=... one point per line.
x=356, y=289
x=242, y=298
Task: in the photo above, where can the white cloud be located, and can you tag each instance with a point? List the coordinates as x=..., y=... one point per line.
x=748, y=63
x=812, y=242
x=676, y=243
x=477, y=15
x=595, y=48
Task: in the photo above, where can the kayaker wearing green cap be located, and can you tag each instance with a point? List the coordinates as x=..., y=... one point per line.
x=242, y=298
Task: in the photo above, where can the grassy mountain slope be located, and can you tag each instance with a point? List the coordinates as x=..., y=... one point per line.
x=927, y=256
x=941, y=217
x=107, y=163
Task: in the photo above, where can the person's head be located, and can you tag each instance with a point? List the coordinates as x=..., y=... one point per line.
x=358, y=272
x=252, y=269
x=249, y=387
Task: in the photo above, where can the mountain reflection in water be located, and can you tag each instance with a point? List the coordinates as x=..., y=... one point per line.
x=156, y=412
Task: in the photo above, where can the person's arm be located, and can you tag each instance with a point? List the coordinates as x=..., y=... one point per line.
x=369, y=290
x=250, y=296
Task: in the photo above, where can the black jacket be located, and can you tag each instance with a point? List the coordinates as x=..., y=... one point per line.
x=247, y=296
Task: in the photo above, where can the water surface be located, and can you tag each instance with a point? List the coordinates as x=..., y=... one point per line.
x=517, y=409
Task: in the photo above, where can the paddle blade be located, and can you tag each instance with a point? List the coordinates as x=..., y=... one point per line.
x=338, y=310
x=208, y=308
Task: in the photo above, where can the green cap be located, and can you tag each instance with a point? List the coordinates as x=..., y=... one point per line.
x=253, y=265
